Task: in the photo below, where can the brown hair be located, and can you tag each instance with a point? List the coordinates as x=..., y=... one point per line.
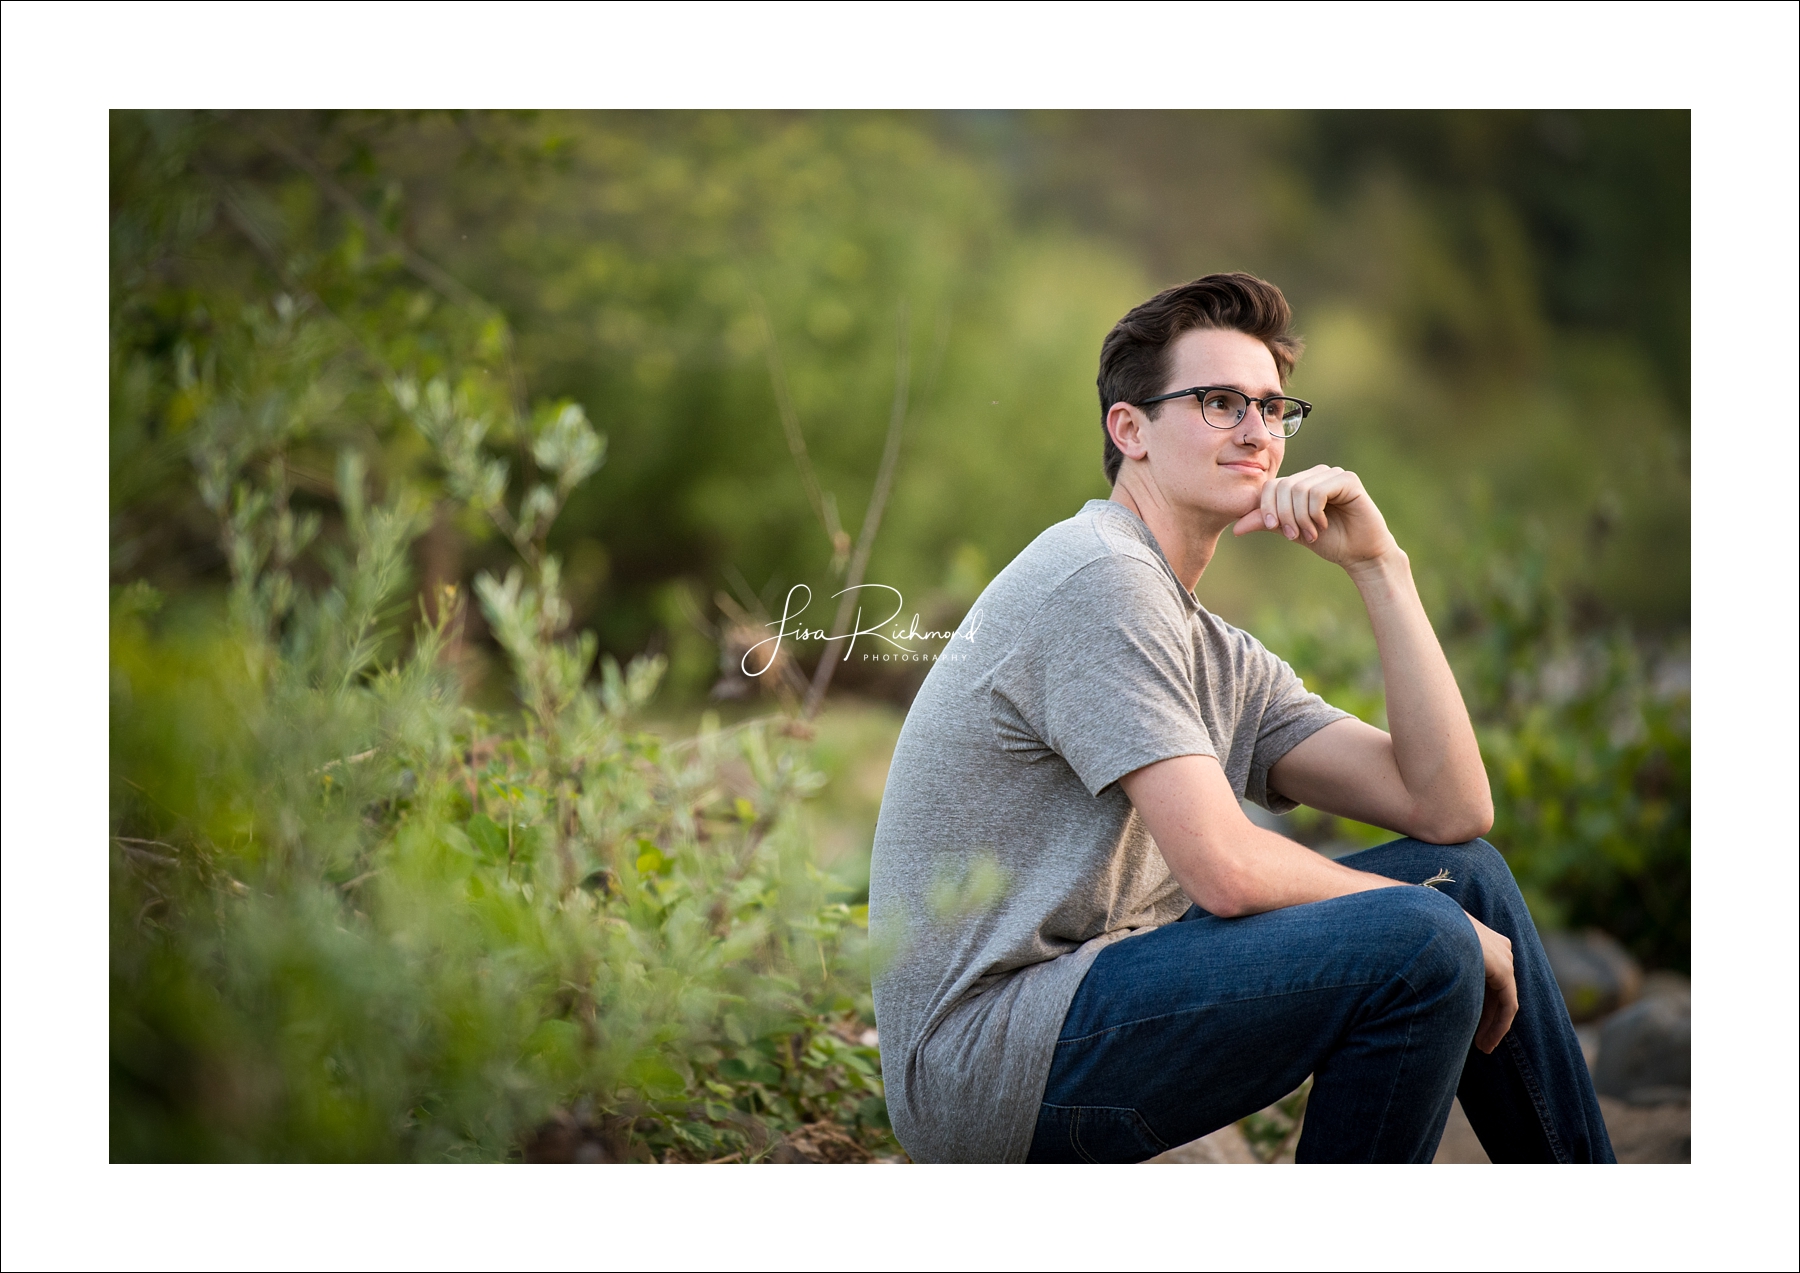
x=1134, y=357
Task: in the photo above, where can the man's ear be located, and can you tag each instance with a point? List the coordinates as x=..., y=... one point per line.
x=1125, y=423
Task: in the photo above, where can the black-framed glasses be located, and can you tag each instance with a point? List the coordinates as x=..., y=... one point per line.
x=1225, y=408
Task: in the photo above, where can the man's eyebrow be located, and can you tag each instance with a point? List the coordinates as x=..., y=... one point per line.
x=1248, y=393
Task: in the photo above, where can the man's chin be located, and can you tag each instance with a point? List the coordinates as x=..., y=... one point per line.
x=1225, y=511
x=1240, y=503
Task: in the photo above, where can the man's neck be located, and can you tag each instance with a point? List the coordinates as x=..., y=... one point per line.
x=1186, y=541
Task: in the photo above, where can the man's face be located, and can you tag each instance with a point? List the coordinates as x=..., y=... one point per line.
x=1216, y=472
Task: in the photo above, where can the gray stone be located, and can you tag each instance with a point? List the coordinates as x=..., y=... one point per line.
x=1589, y=1036
x=1645, y=1049
x=1227, y=1145
x=1661, y=1133
x=1640, y=1133
x=1460, y=1144
x=1668, y=985
x=1595, y=974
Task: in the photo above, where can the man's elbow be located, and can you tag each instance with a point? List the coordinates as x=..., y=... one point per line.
x=1227, y=905
x=1226, y=892
x=1469, y=820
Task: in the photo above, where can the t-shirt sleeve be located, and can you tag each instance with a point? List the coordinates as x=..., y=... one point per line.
x=1103, y=676
x=1291, y=714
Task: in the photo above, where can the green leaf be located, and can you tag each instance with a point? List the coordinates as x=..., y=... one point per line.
x=529, y=842
x=554, y=1039
x=488, y=836
x=458, y=840
x=655, y=1077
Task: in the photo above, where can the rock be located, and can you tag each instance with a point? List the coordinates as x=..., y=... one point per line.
x=1227, y=1145
x=1649, y=1133
x=1588, y=1035
x=1639, y=1133
x=1460, y=1144
x=577, y=1137
x=1268, y=1136
x=1659, y=1133
x=1668, y=985
x=1645, y=1049
x=1595, y=974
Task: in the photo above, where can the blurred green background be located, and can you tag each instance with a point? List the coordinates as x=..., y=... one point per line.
x=1496, y=313
x=1495, y=306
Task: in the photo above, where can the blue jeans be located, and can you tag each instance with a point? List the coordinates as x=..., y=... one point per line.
x=1178, y=1031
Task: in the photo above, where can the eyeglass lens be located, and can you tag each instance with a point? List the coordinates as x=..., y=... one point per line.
x=1225, y=408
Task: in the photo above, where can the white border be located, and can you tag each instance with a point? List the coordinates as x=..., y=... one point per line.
x=66, y=65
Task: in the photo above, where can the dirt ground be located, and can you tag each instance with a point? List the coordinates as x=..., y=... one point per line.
x=1640, y=1134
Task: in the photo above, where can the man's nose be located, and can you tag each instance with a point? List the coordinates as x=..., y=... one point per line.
x=1252, y=430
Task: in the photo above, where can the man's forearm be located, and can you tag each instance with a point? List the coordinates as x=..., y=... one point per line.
x=1264, y=871
x=1221, y=860
x=1434, y=744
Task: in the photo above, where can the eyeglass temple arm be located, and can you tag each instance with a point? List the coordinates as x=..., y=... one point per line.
x=1182, y=393
x=1179, y=393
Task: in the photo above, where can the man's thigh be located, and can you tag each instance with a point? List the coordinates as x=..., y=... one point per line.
x=1193, y=1025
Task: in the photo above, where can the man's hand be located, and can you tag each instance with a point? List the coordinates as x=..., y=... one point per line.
x=1502, y=1001
x=1326, y=509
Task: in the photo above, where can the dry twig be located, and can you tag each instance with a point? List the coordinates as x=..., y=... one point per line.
x=824, y=505
x=865, y=542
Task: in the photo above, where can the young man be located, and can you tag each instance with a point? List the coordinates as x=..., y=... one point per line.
x=1085, y=950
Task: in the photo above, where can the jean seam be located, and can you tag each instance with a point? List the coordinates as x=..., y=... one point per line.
x=1405, y=1047
x=1143, y=1123
x=1075, y=1112
x=1539, y=1105
x=1217, y=1003
x=1075, y=1136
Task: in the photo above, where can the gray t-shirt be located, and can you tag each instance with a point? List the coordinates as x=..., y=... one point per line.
x=1006, y=855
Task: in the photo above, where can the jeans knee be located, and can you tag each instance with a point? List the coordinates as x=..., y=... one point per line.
x=1476, y=862
x=1471, y=962
x=1448, y=961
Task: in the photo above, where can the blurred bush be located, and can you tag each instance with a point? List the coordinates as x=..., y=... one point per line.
x=1585, y=738
x=353, y=918
x=1495, y=305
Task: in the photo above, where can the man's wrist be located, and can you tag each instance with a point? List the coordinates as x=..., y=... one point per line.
x=1385, y=569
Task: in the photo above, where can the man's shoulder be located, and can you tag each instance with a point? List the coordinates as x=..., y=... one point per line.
x=1222, y=633
x=1103, y=544
x=1234, y=654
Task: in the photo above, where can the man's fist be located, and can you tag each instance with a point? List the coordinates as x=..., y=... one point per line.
x=1326, y=509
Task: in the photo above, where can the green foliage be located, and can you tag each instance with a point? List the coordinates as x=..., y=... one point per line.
x=1500, y=294
x=1585, y=738
x=353, y=918
x=1588, y=756
x=1273, y=1133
